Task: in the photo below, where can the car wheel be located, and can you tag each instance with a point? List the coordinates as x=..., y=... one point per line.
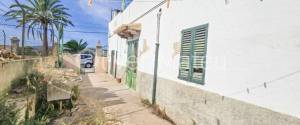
x=88, y=65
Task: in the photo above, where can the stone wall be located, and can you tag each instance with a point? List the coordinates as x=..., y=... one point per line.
x=14, y=69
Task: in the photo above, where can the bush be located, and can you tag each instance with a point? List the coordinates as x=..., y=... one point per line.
x=18, y=83
x=35, y=78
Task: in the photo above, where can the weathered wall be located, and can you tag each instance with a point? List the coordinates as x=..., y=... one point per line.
x=14, y=69
x=72, y=61
x=188, y=105
x=101, y=64
x=249, y=43
x=121, y=73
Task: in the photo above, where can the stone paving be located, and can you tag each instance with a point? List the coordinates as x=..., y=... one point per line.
x=118, y=101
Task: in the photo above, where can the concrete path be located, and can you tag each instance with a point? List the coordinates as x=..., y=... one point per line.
x=122, y=103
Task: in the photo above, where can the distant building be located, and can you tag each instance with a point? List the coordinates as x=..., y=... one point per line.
x=230, y=62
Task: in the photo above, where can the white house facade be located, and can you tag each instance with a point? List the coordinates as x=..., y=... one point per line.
x=220, y=62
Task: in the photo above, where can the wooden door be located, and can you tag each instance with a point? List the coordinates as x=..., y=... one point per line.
x=131, y=63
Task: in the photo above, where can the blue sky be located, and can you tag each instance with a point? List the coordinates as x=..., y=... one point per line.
x=93, y=18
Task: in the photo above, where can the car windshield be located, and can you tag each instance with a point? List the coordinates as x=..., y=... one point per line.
x=85, y=56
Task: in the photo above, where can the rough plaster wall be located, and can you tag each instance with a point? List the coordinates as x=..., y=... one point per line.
x=121, y=73
x=10, y=71
x=144, y=85
x=187, y=105
x=101, y=64
x=14, y=69
x=72, y=61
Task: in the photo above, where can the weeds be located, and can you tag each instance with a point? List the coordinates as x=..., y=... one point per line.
x=18, y=83
x=33, y=83
x=75, y=93
x=146, y=102
x=157, y=111
x=9, y=113
x=162, y=114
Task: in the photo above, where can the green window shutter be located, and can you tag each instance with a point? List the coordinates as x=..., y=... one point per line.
x=193, y=54
x=186, y=45
x=199, y=54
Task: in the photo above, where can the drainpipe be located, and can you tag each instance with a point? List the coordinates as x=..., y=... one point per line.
x=156, y=58
x=116, y=64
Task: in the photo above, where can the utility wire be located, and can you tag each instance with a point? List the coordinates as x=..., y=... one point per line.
x=77, y=31
x=265, y=84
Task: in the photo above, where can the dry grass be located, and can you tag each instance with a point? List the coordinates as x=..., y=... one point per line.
x=157, y=111
x=87, y=112
x=146, y=103
x=162, y=114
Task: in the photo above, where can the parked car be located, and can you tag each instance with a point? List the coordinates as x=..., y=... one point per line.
x=87, y=60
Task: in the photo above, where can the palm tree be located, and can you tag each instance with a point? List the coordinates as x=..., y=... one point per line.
x=44, y=16
x=17, y=12
x=73, y=46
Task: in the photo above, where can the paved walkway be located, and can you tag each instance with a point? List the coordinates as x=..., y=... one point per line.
x=120, y=102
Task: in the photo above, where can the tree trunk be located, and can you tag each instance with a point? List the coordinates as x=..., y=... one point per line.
x=23, y=35
x=45, y=40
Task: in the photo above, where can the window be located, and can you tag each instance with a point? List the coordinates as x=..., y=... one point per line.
x=193, y=54
x=82, y=57
x=85, y=56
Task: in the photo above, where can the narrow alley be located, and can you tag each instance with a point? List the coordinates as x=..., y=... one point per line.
x=119, y=101
x=149, y=62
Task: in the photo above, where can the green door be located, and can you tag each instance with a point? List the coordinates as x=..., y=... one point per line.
x=131, y=63
x=112, y=62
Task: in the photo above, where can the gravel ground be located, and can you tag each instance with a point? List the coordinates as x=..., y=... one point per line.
x=88, y=110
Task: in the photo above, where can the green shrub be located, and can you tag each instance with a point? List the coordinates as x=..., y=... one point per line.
x=18, y=83
x=35, y=78
x=37, y=121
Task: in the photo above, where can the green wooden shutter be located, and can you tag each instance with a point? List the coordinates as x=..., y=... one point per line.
x=199, y=54
x=193, y=54
x=186, y=43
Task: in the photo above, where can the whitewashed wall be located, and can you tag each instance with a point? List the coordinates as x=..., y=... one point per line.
x=249, y=42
